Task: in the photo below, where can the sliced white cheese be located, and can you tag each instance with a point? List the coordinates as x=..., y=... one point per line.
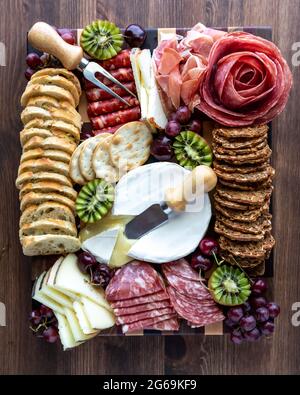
x=82, y=319
x=180, y=235
x=102, y=245
x=65, y=333
x=70, y=278
x=156, y=115
x=98, y=316
x=120, y=254
x=76, y=330
x=39, y=296
x=136, y=71
x=144, y=62
x=51, y=279
x=54, y=294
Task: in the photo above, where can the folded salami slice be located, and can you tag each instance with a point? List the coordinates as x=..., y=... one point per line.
x=120, y=311
x=190, y=288
x=111, y=130
x=120, y=60
x=128, y=319
x=171, y=324
x=192, y=301
x=115, y=118
x=207, y=320
x=96, y=94
x=150, y=322
x=124, y=74
x=157, y=296
x=133, y=280
x=110, y=105
x=182, y=269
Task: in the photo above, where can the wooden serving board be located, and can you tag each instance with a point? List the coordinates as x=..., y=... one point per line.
x=42, y=263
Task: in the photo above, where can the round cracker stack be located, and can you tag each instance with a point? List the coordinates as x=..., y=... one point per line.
x=242, y=196
x=49, y=138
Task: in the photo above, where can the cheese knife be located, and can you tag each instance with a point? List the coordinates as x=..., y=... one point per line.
x=44, y=38
x=200, y=180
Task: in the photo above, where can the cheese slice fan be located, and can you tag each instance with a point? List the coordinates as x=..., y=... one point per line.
x=44, y=38
x=187, y=196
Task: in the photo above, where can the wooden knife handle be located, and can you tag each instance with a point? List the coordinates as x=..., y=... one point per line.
x=44, y=38
x=200, y=180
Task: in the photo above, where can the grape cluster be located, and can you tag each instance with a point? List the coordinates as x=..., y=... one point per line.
x=253, y=319
x=202, y=258
x=36, y=62
x=100, y=273
x=44, y=324
x=180, y=120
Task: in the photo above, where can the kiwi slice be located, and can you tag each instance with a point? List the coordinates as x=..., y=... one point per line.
x=229, y=286
x=94, y=200
x=191, y=150
x=101, y=40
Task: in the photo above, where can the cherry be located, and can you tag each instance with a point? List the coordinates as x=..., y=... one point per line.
x=87, y=261
x=135, y=35
x=199, y=261
x=209, y=246
x=46, y=312
x=259, y=287
x=35, y=317
x=33, y=60
x=161, y=148
x=101, y=275
x=29, y=73
x=51, y=334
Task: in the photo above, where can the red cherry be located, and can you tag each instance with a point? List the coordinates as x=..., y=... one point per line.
x=51, y=334
x=33, y=60
x=35, y=317
x=46, y=312
x=199, y=261
x=87, y=261
x=68, y=38
x=29, y=73
x=209, y=246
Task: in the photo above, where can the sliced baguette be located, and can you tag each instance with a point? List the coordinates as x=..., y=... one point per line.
x=49, y=245
x=47, y=210
x=55, y=126
x=52, y=154
x=48, y=227
x=44, y=164
x=48, y=187
x=46, y=90
x=53, y=142
x=38, y=198
x=31, y=177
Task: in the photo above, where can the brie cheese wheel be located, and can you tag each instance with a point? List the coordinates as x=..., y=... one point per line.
x=177, y=237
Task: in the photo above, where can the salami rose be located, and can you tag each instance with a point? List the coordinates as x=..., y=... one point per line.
x=247, y=81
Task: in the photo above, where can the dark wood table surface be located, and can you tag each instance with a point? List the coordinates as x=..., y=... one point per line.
x=20, y=351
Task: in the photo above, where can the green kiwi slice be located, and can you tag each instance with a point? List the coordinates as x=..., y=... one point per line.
x=94, y=200
x=229, y=286
x=101, y=39
x=191, y=150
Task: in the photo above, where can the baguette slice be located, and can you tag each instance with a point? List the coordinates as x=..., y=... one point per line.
x=49, y=245
x=44, y=164
x=31, y=177
x=48, y=187
x=48, y=227
x=55, y=143
x=37, y=198
x=46, y=90
x=47, y=210
x=38, y=153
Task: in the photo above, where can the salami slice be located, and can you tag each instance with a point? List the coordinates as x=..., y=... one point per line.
x=110, y=105
x=120, y=311
x=182, y=269
x=96, y=94
x=111, y=130
x=115, y=118
x=124, y=74
x=120, y=60
x=207, y=320
x=150, y=322
x=187, y=287
x=133, y=280
x=128, y=319
x=155, y=297
x=192, y=301
x=171, y=324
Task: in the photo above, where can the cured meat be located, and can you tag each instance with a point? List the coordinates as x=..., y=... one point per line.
x=142, y=300
x=109, y=106
x=197, y=315
x=96, y=94
x=124, y=74
x=120, y=311
x=181, y=268
x=127, y=319
x=192, y=301
x=122, y=59
x=171, y=324
x=187, y=287
x=207, y=320
x=133, y=280
x=116, y=118
x=111, y=130
x=247, y=81
x=150, y=322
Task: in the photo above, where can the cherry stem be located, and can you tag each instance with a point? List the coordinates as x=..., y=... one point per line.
x=200, y=279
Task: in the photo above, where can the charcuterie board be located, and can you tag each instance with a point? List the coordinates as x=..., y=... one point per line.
x=156, y=257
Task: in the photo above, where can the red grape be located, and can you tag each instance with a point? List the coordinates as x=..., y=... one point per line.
x=199, y=261
x=63, y=31
x=33, y=60
x=101, y=275
x=229, y=323
x=258, y=301
x=173, y=129
x=29, y=73
x=236, y=339
x=253, y=335
x=46, y=312
x=172, y=117
x=274, y=309
x=183, y=115
x=262, y=314
x=259, y=287
x=235, y=314
x=87, y=261
x=68, y=38
x=195, y=126
x=246, y=307
x=35, y=317
x=51, y=334
x=161, y=148
x=135, y=35
x=209, y=246
x=248, y=323
x=267, y=328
